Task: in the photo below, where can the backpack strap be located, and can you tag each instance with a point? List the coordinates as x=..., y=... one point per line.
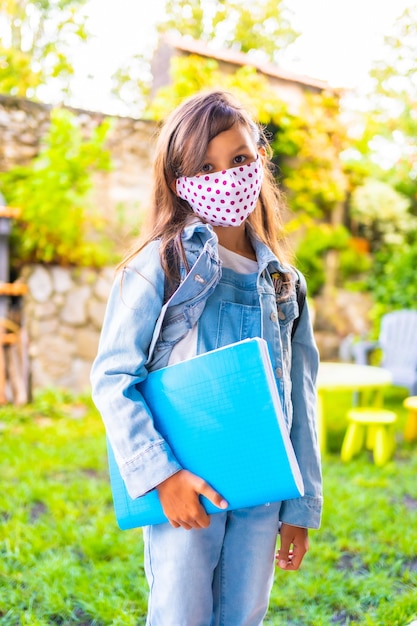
x=301, y=290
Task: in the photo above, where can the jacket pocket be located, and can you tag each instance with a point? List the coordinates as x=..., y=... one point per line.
x=287, y=312
x=237, y=322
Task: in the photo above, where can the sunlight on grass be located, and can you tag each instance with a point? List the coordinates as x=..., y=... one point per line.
x=64, y=561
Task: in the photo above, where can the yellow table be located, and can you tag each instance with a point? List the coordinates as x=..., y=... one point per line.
x=410, y=432
x=366, y=381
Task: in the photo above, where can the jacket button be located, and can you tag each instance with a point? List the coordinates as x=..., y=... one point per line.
x=278, y=372
x=199, y=279
x=281, y=314
x=273, y=317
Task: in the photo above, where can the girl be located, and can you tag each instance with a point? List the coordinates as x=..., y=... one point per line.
x=211, y=272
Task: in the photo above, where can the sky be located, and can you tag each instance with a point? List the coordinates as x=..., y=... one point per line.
x=341, y=38
x=339, y=41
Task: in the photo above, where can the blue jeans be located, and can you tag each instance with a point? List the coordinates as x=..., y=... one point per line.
x=218, y=576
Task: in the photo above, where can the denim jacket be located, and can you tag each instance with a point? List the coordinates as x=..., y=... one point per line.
x=139, y=332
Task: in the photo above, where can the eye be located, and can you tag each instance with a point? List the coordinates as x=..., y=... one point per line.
x=239, y=159
x=206, y=169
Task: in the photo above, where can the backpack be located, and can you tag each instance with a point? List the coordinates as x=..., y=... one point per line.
x=301, y=290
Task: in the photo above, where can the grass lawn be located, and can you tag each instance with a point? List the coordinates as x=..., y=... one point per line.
x=64, y=561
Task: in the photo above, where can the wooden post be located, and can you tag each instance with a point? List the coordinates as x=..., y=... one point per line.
x=14, y=375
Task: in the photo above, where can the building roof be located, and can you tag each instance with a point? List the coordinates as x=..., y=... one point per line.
x=192, y=46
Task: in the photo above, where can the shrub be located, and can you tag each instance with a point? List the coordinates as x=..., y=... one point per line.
x=58, y=224
x=311, y=255
x=393, y=281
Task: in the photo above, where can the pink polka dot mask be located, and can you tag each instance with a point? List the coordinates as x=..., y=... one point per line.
x=223, y=198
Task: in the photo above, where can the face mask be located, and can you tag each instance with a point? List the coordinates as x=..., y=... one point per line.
x=223, y=198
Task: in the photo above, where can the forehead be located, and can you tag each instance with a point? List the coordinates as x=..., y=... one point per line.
x=235, y=138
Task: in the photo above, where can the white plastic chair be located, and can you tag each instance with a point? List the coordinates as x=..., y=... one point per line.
x=398, y=342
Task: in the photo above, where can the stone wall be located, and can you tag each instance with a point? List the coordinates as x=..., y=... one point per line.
x=122, y=191
x=63, y=313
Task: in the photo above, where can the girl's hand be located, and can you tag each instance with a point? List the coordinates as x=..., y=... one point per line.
x=294, y=545
x=179, y=496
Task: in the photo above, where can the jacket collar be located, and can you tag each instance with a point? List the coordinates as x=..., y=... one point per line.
x=199, y=233
x=265, y=257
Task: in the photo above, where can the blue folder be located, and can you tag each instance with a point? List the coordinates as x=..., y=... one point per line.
x=221, y=414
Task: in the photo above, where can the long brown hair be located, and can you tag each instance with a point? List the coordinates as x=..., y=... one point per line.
x=181, y=151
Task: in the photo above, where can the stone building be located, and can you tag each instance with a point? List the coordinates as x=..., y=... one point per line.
x=64, y=308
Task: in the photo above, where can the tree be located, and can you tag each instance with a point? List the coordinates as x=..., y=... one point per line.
x=390, y=128
x=307, y=145
x=311, y=142
x=192, y=73
x=381, y=214
x=35, y=39
x=259, y=28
